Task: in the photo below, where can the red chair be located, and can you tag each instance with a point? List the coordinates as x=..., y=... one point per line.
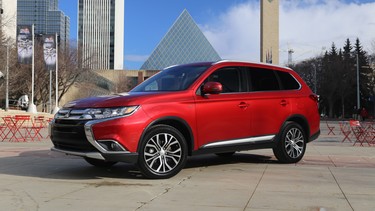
x=14, y=126
x=22, y=123
x=330, y=128
x=359, y=132
x=370, y=129
x=3, y=129
x=38, y=124
x=345, y=130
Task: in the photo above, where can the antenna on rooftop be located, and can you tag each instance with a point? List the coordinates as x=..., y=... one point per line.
x=290, y=56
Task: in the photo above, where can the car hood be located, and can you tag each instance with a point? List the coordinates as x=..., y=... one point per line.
x=119, y=100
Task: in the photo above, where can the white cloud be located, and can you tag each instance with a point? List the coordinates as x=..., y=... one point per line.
x=235, y=34
x=305, y=26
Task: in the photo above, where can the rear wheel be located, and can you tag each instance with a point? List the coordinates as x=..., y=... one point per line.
x=162, y=153
x=99, y=163
x=291, y=145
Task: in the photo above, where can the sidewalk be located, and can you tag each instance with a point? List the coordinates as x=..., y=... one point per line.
x=332, y=176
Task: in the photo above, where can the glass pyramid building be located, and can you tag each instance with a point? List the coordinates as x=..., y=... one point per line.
x=183, y=43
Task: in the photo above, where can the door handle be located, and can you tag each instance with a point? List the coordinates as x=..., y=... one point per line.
x=243, y=105
x=284, y=102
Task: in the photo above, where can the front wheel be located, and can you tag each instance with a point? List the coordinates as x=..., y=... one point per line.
x=291, y=144
x=162, y=153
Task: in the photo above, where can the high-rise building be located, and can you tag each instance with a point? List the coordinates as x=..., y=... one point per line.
x=101, y=33
x=8, y=18
x=45, y=16
x=269, y=31
x=183, y=43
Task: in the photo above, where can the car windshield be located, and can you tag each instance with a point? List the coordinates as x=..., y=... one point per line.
x=175, y=78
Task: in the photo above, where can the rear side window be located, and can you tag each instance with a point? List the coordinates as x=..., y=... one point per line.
x=288, y=81
x=263, y=80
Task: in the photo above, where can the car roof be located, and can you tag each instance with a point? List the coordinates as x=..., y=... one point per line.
x=260, y=64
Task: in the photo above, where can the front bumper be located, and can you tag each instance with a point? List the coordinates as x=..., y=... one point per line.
x=75, y=137
x=117, y=157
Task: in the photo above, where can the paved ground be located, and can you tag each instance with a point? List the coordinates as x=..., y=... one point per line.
x=332, y=176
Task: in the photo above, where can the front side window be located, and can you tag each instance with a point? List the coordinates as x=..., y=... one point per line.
x=229, y=78
x=175, y=78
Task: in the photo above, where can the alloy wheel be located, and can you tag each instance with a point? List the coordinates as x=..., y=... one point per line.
x=294, y=142
x=162, y=153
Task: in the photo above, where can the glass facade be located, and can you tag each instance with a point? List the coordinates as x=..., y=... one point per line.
x=100, y=33
x=183, y=43
x=46, y=17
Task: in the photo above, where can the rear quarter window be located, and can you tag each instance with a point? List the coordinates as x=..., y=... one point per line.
x=263, y=80
x=288, y=82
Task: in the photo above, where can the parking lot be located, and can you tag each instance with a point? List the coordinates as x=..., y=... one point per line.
x=332, y=176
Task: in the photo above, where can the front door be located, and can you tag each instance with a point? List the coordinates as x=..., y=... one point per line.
x=224, y=116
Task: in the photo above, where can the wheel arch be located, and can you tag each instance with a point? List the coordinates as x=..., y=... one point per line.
x=302, y=121
x=178, y=123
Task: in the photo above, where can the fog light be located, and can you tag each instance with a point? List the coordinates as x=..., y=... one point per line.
x=116, y=147
x=109, y=145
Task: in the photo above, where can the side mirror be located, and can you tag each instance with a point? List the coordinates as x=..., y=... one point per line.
x=212, y=88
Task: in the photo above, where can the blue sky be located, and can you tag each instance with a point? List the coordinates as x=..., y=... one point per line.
x=232, y=26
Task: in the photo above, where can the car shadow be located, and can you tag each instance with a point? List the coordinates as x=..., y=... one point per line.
x=214, y=160
x=53, y=165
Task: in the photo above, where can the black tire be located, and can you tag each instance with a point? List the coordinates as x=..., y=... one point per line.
x=291, y=144
x=99, y=163
x=162, y=153
x=225, y=154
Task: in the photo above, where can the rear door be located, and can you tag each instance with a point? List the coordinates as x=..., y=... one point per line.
x=270, y=105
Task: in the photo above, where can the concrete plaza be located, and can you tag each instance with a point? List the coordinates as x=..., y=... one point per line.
x=332, y=176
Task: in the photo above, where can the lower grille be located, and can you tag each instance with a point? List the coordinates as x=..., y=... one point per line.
x=70, y=135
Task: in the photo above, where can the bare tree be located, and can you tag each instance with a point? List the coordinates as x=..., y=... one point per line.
x=69, y=70
x=123, y=84
x=20, y=74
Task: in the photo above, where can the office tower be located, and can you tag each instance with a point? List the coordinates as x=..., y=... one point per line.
x=8, y=18
x=183, y=43
x=45, y=16
x=101, y=33
x=269, y=31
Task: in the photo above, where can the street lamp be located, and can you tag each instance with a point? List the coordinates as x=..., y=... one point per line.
x=6, y=76
x=7, y=82
x=32, y=106
x=358, y=93
x=315, y=89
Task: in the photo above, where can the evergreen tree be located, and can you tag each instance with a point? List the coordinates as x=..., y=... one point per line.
x=331, y=64
x=365, y=73
x=336, y=79
x=347, y=78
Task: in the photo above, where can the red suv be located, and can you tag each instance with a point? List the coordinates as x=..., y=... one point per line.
x=184, y=110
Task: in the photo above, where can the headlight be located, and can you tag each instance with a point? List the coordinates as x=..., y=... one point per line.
x=100, y=113
x=95, y=113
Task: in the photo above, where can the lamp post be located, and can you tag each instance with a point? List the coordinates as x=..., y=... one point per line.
x=358, y=93
x=6, y=78
x=315, y=89
x=7, y=82
x=32, y=106
x=56, y=109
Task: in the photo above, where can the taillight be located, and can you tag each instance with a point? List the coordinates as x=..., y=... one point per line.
x=315, y=97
